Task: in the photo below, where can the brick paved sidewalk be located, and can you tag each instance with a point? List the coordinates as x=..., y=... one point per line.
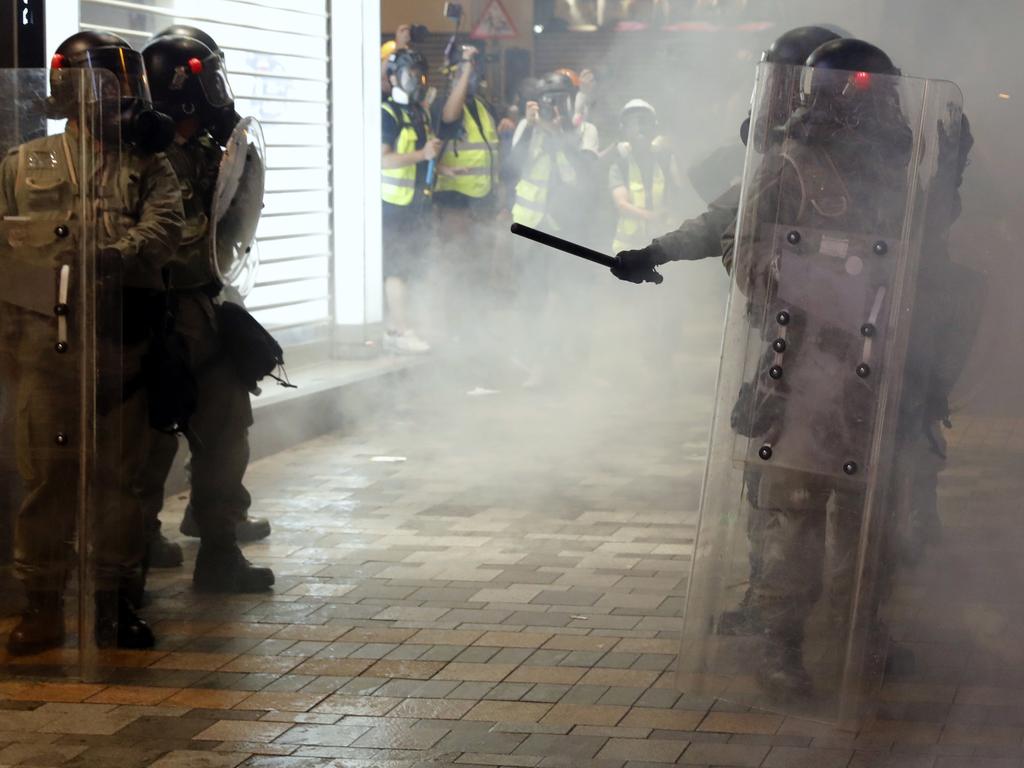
x=509, y=595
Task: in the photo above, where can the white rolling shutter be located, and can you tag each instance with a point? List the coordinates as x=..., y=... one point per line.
x=277, y=57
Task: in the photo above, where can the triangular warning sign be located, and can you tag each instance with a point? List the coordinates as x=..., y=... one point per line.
x=494, y=24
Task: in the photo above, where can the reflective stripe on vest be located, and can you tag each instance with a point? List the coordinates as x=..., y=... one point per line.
x=632, y=231
x=398, y=185
x=532, y=190
x=475, y=156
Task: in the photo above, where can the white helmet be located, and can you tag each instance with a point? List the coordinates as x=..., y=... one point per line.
x=638, y=104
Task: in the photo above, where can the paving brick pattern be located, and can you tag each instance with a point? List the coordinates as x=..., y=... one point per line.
x=509, y=595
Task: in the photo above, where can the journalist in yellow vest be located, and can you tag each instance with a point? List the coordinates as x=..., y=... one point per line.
x=408, y=150
x=640, y=178
x=550, y=152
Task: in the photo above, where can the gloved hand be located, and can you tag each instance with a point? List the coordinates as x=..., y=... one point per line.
x=639, y=266
x=109, y=262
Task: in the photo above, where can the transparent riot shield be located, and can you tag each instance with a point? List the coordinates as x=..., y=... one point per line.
x=830, y=367
x=237, y=205
x=68, y=544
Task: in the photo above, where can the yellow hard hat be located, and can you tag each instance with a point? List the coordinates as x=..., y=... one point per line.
x=387, y=49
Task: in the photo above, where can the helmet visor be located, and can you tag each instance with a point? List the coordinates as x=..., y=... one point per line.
x=128, y=69
x=214, y=81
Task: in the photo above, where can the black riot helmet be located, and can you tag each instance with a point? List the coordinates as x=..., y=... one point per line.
x=184, y=30
x=852, y=55
x=556, y=96
x=793, y=48
x=409, y=69
x=118, y=91
x=188, y=80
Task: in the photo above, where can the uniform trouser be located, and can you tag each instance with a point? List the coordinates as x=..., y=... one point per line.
x=52, y=476
x=796, y=558
x=151, y=485
x=218, y=434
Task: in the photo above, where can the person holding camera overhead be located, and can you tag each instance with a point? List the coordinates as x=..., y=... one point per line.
x=466, y=201
x=555, y=158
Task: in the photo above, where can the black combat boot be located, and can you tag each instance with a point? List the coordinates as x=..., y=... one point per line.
x=119, y=626
x=41, y=627
x=781, y=674
x=223, y=568
x=247, y=530
x=163, y=553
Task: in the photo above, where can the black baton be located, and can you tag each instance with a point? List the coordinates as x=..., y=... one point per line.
x=564, y=245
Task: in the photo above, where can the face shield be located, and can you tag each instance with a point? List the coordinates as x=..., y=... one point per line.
x=771, y=110
x=120, y=90
x=864, y=107
x=128, y=70
x=214, y=82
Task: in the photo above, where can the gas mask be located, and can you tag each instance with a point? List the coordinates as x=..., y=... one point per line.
x=409, y=86
x=145, y=128
x=221, y=124
x=639, y=127
x=557, y=105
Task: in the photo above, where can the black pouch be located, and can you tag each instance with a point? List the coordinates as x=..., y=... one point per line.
x=253, y=351
x=171, y=386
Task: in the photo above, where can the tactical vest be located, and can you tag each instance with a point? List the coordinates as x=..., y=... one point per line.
x=474, y=156
x=398, y=185
x=534, y=186
x=196, y=164
x=632, y=230
x=41, y=257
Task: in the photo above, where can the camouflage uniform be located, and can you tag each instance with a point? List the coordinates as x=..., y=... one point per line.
x=138, y=209
x=218, y=431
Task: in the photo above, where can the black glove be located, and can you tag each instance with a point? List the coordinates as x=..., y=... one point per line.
x=109, y=263
x=639, y=266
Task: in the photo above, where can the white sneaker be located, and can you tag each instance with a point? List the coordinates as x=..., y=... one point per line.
x=407, y=343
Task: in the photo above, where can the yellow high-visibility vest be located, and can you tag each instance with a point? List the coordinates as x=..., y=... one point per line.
x=398, y=185
x=632, y=231
x=476, y=156
x=532, y=190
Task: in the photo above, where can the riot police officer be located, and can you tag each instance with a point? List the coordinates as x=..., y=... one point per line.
x=642, y=176
x=108, y=165
x=189, y=83
x=163, y=553
x=711, y=235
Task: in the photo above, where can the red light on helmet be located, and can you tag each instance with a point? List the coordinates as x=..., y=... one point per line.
x=57, y=62
x=195, y=66
x=861, y=81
